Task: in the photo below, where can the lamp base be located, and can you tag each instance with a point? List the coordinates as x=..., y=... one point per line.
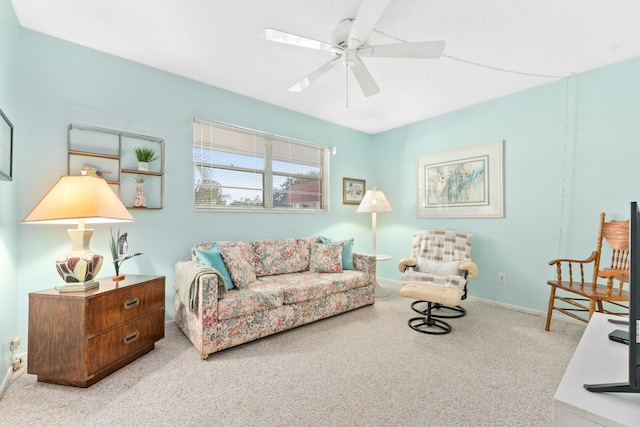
x=78, y=287
x=81, y=265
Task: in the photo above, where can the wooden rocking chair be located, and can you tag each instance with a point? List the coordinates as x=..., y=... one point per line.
x=616, y=234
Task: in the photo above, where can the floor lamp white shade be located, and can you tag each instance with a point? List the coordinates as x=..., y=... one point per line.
x=374, y=202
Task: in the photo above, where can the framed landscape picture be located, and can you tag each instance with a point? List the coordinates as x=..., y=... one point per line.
x=353, y=190
x=462, y=183
x=6, y=148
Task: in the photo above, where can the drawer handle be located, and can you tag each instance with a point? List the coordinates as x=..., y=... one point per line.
x=131, y=303
x=131, y=337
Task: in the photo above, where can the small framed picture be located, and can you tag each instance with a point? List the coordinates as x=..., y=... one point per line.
x=353, y=190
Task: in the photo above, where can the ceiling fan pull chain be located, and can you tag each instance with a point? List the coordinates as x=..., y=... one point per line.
x=346, y=81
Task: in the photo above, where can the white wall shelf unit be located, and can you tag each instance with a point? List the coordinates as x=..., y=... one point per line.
x=107, y=153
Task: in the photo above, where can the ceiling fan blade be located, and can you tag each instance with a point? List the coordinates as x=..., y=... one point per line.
x=287, y=38
x=364, y=78
x=315, y=75
x=369, y=13
x=429, y=50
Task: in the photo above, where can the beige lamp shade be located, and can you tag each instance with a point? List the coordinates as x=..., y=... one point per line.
x=79, y=200
x=374, y=201
x=80, y=197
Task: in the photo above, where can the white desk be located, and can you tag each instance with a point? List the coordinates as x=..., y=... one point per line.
x=596, y=360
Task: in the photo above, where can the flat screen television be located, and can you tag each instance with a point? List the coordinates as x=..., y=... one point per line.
x=633, y=386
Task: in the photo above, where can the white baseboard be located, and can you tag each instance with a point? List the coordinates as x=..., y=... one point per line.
x=12, y=375
x=539, y=313
x=5, y=381
x=511, y=306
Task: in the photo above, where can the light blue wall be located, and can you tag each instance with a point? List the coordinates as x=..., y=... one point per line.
x=9, y=34
x=601, y=174
x=64, y=83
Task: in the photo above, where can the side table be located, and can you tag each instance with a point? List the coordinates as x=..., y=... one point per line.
x=380, y=291
x=78, y=338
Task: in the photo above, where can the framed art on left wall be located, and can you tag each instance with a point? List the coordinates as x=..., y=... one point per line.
x=6, y=148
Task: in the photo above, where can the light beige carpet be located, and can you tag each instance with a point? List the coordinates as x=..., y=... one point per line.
x=364, y=368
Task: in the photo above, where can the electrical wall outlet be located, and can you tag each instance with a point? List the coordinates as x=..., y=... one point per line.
x=17, y=362
x=14, y=344
x=502, y=278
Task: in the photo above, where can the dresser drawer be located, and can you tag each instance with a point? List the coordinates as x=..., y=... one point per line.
x=115, y=344
x=112, y=308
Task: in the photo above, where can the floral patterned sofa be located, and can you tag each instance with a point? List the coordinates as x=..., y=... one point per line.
x=232, y=292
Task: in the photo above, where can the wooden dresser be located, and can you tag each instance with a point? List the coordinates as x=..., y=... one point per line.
x=78, y=338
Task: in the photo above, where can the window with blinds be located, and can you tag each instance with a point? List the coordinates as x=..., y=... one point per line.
x=240, y=169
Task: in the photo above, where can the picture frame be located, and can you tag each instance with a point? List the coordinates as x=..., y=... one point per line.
x=353, y=190
x=6, y=148
x=462, y=183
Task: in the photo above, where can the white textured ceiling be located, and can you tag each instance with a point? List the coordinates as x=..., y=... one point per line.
x=493, y=47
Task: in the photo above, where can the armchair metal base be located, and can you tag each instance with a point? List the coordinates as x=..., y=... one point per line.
x=457, y=310
x=429, y=324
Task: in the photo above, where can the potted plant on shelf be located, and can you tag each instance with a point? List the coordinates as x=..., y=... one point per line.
x=144, y=155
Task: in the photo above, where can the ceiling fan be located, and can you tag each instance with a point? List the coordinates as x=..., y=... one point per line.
x=348, y=43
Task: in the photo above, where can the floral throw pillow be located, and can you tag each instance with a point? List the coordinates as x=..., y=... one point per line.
x=304, y=247
x=240, y=269
x=347, y=251
x=277, y=257
x=326, y=258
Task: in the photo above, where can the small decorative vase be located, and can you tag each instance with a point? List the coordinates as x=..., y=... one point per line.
x=140, y=201
x=143, y=166
x=118, y=278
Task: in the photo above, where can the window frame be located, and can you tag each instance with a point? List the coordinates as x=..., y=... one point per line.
x=268, y=172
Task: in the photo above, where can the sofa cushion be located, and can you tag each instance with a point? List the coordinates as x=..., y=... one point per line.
x=301, y=286
x=241, y=271
x=257, y=297
x=213, y=258
x=348, y=279
x=347, y=251
x=277, y=257
x=306, y=286
x=326, y=258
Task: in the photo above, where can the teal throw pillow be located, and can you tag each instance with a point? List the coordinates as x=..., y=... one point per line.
x=213, y=258
x=347, y=251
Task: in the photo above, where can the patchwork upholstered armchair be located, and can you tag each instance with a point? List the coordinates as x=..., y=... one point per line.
x=436, y=276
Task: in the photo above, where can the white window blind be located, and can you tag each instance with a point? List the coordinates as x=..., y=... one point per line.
x=240, y=169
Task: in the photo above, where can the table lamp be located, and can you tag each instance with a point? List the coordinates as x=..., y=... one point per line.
x=78, y=200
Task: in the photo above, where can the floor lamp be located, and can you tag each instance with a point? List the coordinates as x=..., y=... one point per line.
x=375, y=202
